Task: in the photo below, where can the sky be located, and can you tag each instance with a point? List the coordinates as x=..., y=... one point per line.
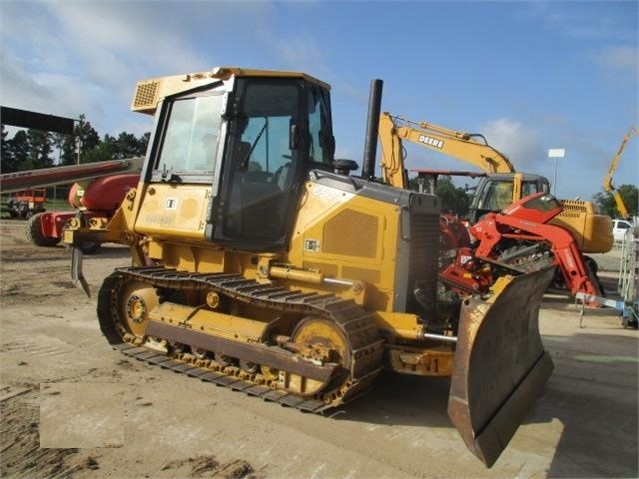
x=529, y=76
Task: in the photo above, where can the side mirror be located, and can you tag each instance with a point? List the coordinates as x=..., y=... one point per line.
x=293, y=135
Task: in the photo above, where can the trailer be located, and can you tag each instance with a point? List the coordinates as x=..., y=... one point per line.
x=24, y=204
x=98, y=190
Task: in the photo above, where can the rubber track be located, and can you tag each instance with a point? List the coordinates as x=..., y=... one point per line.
x=359, y=326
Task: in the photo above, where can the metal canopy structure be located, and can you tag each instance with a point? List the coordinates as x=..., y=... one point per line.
x=37, y=121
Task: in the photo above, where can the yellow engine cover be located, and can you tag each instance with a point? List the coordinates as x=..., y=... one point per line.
x=592, y=231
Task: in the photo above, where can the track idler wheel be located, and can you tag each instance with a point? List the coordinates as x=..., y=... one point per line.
x=138, y=299
x=322, y=341
x=124, y=306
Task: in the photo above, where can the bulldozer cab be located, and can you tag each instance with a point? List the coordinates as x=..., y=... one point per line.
x=252, y=139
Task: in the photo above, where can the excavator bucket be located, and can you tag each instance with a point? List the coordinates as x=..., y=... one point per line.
x=500, y=364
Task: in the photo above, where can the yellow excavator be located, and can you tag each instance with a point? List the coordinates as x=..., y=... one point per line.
x=500, y=187
x=607, y=182
x=264, y=265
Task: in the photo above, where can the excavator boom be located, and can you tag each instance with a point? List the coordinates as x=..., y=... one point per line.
x=469, y=147
x=607, y=182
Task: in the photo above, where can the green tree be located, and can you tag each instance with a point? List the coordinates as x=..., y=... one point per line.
x=110, y=144
x=40, y=149
x=89, y=139
x=63, y=147
x=102, y=152
x=607, y=205
x=455, y=200
x=143, y=143
x=32, y=149
x=19, y=146
x=68, y=150
x=7, y=160
x=127, y=146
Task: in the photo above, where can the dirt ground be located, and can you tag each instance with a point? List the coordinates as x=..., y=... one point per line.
x=73, y=407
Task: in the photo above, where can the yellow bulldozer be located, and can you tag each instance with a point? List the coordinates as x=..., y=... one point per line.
x=262, y=263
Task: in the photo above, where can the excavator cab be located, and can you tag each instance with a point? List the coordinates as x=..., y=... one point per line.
x=499, y=190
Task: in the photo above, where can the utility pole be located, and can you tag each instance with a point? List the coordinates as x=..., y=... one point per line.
x=556, y=153
x=79, y=137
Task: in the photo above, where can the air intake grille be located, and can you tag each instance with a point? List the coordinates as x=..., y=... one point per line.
x=351, y=233
x=573, y=209
x=146, y=95
x=424, y=256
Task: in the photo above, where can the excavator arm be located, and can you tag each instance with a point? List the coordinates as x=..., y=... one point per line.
x=607, y=182
x=469, y=147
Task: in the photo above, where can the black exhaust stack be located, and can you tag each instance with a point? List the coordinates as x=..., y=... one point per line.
x=372, y=129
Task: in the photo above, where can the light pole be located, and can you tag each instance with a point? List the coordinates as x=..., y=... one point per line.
x=79, y=137
x=556, y=153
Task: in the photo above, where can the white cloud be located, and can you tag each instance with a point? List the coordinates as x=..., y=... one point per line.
x=521, y=144
x=301, y=49
x=117, y=46
x=67, y=58
x=617, y=57
x=599, y=21
x=54, y=94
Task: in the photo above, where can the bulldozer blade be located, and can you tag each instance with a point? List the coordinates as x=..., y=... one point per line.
x=76, y=270
x=500, y=364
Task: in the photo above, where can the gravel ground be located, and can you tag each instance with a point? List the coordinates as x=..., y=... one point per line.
x=73, y=407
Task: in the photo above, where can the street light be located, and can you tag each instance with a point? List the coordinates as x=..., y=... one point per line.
x=556, y=153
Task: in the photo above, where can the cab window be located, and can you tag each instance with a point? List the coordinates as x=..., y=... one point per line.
x=531, y=187
x=499, y=196
x=263, y=160
x=321, y=142
x=190, y=141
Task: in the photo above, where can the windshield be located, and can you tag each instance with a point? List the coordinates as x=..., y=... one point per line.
x=191, y=138
x=265, y=140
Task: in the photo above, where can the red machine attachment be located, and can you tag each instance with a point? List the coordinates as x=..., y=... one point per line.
x=519, y=239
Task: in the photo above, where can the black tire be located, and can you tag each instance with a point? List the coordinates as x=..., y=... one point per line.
x=592, y=264
x=35, y=235
x=593, y=268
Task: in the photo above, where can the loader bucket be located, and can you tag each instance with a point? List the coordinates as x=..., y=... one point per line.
x=500, y=364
